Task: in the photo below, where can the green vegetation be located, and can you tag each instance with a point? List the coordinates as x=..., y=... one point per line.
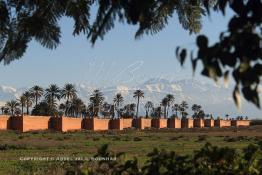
x=132, y=142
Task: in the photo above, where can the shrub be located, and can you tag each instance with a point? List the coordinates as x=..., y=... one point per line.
x=202, y=138
x=4, y=147
x=96, y=138
x=137, y=139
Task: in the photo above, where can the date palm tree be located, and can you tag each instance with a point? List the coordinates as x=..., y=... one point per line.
x=164, y=103
x=36, y=92
x=138, y=94
x=28, y=100
x=148, y=107
x=12, y=106
x=62, y=107
x=175, y=108
x=77, y=106
x=170, y=100
x=129, y=110
x=183, y=108
x=22, y=101
x=68, y=92
x=52, y=93
x=157, y=112
x=96, y=101
x=196, y=109
x=118, y=100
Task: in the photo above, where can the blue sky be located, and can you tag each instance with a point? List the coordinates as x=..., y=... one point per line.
x=118, y=59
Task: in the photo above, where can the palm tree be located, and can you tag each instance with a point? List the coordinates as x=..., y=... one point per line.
x=175, y=108
x=164, y=103
x=138, y=94
x=118, y=100
x=170, y=100
x=129, y=110
x=22, y=102
x=36, y=92
x=77, y=106
x=148, y=107
x=157, y=112
x=183, y=108
x=52, y=93
x=12, y=106
x=68, y=92
x=196, y=108
x=28, y=101
x=96, y=101
x=51, y=104
x=62, y=108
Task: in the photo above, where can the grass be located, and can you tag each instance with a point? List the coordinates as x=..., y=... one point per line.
x=134, y=143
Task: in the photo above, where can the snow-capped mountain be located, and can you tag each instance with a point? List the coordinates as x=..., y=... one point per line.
x=212, y=97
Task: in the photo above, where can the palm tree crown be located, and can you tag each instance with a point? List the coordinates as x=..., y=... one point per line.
x=22, y=101
x=68, y=92
x=36, y=92
x=164, y=103
x=29, y=99
x=175, y=108
x=12, y=106
x=96, y=100
x=148, y=106
x=118, y=100
x=170, y=100
x=52, y=93
x=138, y=94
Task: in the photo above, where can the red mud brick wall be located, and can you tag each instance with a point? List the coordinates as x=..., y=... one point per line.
x=187, y=123
x=174, y=123
x=70, y=124
x=240, y=123
x=209, y=123
x=56, y=123
x=4, y=122
x=35, y=123
x=16, y=123
x=222, y=123
x=120, y=124
x=198, y=123
x=101, y=124
x=159, y=123
x=127, y=123
x=142, y=123
x=95, y=124
x=87, y=123
x=115, y=124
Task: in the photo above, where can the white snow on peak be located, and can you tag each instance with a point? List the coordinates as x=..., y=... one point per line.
x=176, y=87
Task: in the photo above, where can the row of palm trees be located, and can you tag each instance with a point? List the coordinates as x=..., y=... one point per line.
x=46, y=103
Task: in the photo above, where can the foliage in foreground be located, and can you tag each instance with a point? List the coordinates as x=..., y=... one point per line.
x=209, y=160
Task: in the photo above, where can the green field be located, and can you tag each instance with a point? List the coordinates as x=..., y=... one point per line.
x=14, y=145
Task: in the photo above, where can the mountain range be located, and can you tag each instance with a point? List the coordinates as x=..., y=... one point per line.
x=214, y=98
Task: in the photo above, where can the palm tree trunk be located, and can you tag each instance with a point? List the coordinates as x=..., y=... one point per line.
x=167, y=111
x=27, y=108
x=36, y=99
x=22, y=109
x=137, y=107
x=117, y=110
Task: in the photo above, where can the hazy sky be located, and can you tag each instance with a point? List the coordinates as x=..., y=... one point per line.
x=118, y=59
